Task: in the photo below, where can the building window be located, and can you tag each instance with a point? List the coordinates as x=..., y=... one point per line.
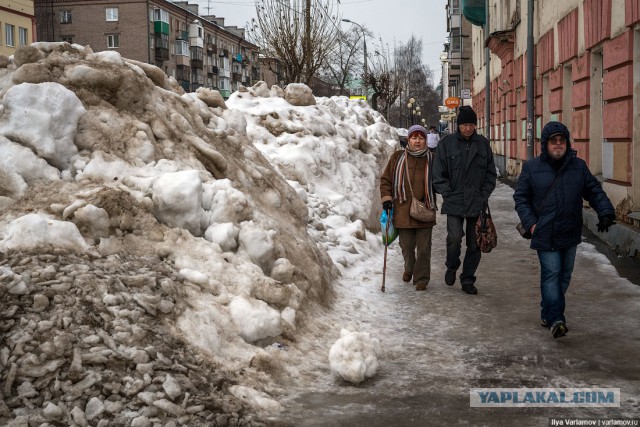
x=111, y=14
x=161, y=15
x=22, y=36
x=182, y=47
x=9, y=35
x=455, y=7
x=68, y=39
x=113, y=41
x=65, y=17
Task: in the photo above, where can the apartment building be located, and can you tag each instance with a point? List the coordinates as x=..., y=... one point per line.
x=198, y=51
x=458, y=48
x=17, y=25
x=587, y=75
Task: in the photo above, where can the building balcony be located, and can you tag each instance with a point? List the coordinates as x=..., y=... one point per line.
x=161, y=54
x=212, y=69
x=223, y=52
x=212, y=48
x=197, y=63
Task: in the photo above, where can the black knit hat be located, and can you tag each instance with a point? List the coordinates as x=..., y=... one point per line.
x=467, y=115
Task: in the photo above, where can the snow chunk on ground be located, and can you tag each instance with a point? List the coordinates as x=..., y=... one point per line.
x=177, y=200
x=354, y=356
x=255, y=319
x=35, y=231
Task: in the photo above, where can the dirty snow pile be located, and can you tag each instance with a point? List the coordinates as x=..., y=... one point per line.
x=159, y=249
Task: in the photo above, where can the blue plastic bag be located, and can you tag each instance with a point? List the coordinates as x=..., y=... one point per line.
x=388, y=234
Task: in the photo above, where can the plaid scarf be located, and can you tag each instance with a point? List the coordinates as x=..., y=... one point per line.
x=400, y=173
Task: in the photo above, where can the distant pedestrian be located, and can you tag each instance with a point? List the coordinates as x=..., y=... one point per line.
x=414, y=164
x=432, y=139
x=465, y=174
x=548, y=199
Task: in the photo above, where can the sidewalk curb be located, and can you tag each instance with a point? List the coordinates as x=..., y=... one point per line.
x=625, y=240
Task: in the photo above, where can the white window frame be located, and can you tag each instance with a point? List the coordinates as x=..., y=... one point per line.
x=182, y=48
x=111, y=14
x=161, y=15
x=9, y=35
x=23, y=36
x=113, y=41
x=65, y=17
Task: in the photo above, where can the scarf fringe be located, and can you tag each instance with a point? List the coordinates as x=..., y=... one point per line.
x=399, y=192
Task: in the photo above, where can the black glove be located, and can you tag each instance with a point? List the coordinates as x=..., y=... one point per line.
x=605, y=222
x=387, y=205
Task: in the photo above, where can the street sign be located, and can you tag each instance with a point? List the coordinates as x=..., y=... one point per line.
x=465, y=93
x=452, y=102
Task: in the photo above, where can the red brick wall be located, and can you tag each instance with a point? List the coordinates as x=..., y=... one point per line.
x=545, y=51
x=597, y=21
x=632, y=12
x=568, y=36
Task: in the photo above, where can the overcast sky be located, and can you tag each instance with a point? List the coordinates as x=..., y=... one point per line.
x=393, y=22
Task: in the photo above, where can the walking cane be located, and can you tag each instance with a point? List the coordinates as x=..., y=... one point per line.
x=386, y=243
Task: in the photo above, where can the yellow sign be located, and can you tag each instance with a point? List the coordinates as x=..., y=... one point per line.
x=358, y=97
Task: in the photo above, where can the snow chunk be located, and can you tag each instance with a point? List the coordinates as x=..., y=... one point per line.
x=35, y=231
x=255, y=319
x=177, y=200
x=258, y=245
x=299, y=94
x=225, y=235
x=354, y=356
x=43, y=117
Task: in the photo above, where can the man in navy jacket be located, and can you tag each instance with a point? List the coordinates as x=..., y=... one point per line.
x=548, y=199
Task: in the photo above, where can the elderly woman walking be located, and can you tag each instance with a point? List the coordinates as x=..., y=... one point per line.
x=409, y=172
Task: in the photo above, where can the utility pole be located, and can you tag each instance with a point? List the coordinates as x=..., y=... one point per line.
x=307, y=38
x=487, y=60
x=530, y=80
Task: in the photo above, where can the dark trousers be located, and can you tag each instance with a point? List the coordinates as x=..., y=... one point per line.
x=416, y=251
x=456, y=229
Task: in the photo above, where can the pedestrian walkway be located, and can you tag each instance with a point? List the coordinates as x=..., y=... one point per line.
x=440, y=343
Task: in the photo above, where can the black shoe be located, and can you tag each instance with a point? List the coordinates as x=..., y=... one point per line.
x=559, y=329
x=469, y=288
x=450, y=277
x=544, y=323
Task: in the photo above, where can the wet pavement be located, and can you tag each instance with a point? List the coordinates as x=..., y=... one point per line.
x=441, y=343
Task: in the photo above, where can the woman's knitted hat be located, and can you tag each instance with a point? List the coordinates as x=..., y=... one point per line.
x=417, y=128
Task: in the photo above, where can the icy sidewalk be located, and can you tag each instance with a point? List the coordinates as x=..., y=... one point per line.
x=440, y=343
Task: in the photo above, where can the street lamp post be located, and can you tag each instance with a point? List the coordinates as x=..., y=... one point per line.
x=414, y=111
x=410, y=107
x=364, y=42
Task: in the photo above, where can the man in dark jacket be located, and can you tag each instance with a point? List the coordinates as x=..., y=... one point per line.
x=465, y=174
x=548, y=199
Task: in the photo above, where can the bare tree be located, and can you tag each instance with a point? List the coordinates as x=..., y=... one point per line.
x=298, y=33
x=345, y=62
x=414, y=80
x=386, y=82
